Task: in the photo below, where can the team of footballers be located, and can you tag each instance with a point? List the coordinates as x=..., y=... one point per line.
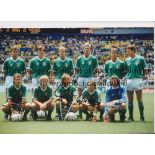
x=121, y=77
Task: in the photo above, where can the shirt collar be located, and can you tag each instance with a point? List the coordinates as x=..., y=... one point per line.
x=40, y=59
x=14, y=59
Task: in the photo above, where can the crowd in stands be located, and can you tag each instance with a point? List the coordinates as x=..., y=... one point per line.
x=100, y=48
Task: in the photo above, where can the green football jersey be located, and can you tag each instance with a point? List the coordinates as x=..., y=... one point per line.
x=134, y=67
x=62, y=66
x=40, y=67
x=11, y=66
x=67, y=93
x=86, y=66
x=42, y=95
x=16, y=94
x=114, y=68
x=92, y=98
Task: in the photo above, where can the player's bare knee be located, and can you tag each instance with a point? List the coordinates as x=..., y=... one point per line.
x=57, y=103
x=4, y=109
x=74, y=108
x=33, y=105
x=81, y=106
x=123, y=106
x=102, y=106
x=26, y=106
x=90, y=108
x=110, y=110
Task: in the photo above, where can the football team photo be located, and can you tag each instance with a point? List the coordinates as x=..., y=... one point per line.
x=77, y=80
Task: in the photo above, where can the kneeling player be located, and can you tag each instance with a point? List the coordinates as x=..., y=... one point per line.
x=115, y=100
x=42, y=98
x=90, y=101
x=16, y=101
x=66, y=97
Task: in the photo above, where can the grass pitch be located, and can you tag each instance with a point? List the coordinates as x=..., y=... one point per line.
x=81, y=126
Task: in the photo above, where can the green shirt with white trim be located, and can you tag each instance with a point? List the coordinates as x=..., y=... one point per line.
x=40, y=67
x=11, y=66
x=86, y=66
x=67, y=93
x=42, y=95
x=62, y=66
x=16, y=94
x=134, y=67
x=114, y=68
x=93, y=98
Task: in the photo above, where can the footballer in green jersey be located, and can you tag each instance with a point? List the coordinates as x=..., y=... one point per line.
x=13, y=65
x=62, y=65
x=135, y=71
x=66, y=97
x=86, y=67
x=40, y=65
x=90, y=101
x=16, y=99
x=135, y=67
x=114, y=67
x=42, y=98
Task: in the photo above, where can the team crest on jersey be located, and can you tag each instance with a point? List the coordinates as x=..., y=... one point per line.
x=89, y=62
x=137, y=62
x=18, y=64
x=117, y=66
x=128, y=63
x=66, y=65
x=44, y=63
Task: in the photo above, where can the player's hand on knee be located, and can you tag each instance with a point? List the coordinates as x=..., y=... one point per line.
x=64, y=101
x=74, y=102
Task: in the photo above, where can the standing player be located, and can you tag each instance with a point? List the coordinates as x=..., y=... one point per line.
x=42, y=98
x=90, y=101
x=136, y=69
x=114, y=66
x=13, y=65
x=62, y=65
x=86, y=67
x=39, y=66
x=115, y=100
x=67, y=96
x=16, y=98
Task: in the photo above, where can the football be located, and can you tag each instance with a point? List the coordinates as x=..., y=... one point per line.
x=16, y=117
x=41, y=114
x=71, y=116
